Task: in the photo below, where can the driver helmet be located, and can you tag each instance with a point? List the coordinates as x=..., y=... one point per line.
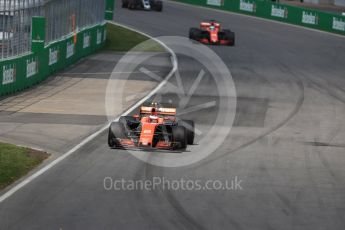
x=154, y=111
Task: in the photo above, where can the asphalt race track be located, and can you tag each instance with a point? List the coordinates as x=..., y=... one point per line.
x=286, y=144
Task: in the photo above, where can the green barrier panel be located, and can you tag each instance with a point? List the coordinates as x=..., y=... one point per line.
x=279, y=12
x=70, y=52
x=21, y=72
x=87, y=42
x=8, y=70
x=56, y=59
x=31, y=74
x=84, y=43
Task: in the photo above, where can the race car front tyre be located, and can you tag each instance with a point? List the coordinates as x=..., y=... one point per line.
x=132, y=4
x=190, y=130
x=124, y=3
x=111, y=139
x=179, y=136
x=116, y=130
x=129, y=122
x=158, y=6
x=194, y=33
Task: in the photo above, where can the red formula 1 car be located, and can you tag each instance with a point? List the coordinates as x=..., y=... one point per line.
x=154, y=127
x=210, y=32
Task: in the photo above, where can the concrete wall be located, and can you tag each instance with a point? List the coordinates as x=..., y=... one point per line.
x=324, y=2
x=327, y=2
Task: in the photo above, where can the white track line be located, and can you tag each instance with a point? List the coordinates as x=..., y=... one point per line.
x=256, y=17
x=107, y=73
x=94, y=135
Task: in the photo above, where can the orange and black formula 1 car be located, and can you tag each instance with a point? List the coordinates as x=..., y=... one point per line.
x=153, y=128
x=210, y=32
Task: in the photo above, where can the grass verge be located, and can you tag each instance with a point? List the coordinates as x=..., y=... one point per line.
x=16, y=162
x=122, y=39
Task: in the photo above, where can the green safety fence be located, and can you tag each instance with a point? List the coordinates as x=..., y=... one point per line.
x=279, y=12
x=24, y=71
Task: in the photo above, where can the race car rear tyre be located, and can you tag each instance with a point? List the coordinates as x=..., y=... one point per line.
x=179, y=136
x=124, y=3
x=116, y=130
x=158, y=6
x=190, y=130
x=229, y=35
x=194, y=33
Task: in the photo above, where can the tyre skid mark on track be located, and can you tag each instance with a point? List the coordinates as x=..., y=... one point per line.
x=325, y=164
x=295, y=110
x=148, y=215
x=327, y=143
x=178, y=207
x=186, y=219
x=333, y=176
x=309, y=171
x=324, y=89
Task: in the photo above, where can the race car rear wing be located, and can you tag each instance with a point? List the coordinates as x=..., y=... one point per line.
x=160, y=111
x=204, y=25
